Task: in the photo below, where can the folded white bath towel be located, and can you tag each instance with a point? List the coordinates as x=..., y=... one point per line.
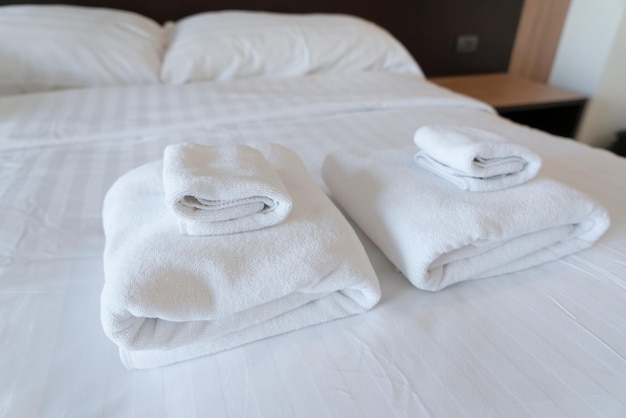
x=474, y=159
x=437, y=235
x=215, y=190
x=169, y=297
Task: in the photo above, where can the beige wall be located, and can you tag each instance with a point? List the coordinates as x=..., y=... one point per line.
x=591, y=59
x=606, y=112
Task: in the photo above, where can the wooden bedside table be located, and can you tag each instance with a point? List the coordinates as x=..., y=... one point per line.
x=524, y=101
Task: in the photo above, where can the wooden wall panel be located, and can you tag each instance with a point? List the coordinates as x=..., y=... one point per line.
x=537, y=38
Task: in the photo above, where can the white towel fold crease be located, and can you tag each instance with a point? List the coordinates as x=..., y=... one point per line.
x=170, y=297
x=216, y=190
x=474, y=159
x=437, y=235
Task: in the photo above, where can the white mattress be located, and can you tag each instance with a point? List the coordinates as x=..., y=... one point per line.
x=548, y=341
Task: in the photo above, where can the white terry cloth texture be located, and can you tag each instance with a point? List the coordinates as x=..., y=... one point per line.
x=437, y=235
x=215, y=190
x=169, y=297
x=474, y=159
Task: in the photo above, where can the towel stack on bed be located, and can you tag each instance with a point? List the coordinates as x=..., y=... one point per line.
x=222, y=190
x=437, y=234
x=474, y=159
x=180, y=283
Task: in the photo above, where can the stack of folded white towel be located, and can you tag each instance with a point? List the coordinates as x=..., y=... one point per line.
x=437, y=234
x=215, y=247
x=474, y=159
x=222, y=190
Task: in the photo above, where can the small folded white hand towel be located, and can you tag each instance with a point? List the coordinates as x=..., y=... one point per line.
x=216, y=190
x=169, y=297
x=474, y=159
x=437, y=236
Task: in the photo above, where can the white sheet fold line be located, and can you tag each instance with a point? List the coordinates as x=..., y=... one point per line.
x=437, y=235
x=169, y=297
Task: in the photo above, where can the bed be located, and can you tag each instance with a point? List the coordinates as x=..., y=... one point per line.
x=548, y=340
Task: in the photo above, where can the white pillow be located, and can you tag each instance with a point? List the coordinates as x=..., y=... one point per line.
x=236, y=44
x=49, y=47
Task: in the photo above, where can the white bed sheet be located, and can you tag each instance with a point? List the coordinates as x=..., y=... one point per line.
x=549, y=341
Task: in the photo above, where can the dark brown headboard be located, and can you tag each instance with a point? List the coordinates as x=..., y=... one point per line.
x=428, y=28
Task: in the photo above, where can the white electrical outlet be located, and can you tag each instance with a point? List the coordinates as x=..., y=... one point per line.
x=466, y=43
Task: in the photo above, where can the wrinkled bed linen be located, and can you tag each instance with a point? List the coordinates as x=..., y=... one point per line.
x=548, y=341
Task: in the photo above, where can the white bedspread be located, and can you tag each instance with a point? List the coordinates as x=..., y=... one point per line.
x=549, y=341
x=150, y=111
